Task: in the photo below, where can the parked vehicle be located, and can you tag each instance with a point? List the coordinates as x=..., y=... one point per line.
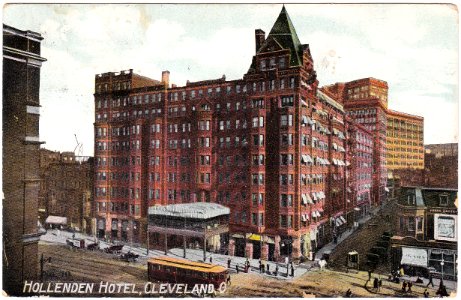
x=92, y=247
x=129, y=256
x=114, y=249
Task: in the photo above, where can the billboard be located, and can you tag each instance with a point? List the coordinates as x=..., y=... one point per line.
x=445, y=227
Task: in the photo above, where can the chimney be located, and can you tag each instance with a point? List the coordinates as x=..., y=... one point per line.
x=260, y=37
x=166, y=77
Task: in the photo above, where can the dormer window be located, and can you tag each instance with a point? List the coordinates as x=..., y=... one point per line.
x=443, y=200
x=263, y=65
x=272, y=63
x=282, y=62
x=411, y=199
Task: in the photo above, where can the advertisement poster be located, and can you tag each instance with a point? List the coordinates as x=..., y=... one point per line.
x=445, y=227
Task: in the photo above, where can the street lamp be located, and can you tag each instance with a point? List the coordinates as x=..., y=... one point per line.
x=441, y=264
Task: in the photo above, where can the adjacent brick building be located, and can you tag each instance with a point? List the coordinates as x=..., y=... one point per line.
x=365, y=101
x=270, y=146
x=359, y=158
x=21, y=143
x=66, y=189
x=405, y=139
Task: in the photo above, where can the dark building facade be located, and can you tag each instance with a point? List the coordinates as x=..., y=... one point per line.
x=21, y=113
x=67, y=189
x=270, y=146
x=426, y=238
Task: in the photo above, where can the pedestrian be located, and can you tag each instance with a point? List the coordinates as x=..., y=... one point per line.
x=410, y=284
x=260, y=266
x=237, y=268
x=276, y=270
x=211, y=259
x=401, y=272
x=292, y=271
x=348, y=293
x=430, y=280
x=228, y=280
x=404, y=286
x=369, y=274
x=268, y=269
x=375, y=284
x=426, y=294
x=380, y=284
x=228, y=263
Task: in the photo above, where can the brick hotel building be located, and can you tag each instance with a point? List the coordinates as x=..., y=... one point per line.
x=271, y=146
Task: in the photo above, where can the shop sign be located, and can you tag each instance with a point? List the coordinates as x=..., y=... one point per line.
x=414, y=257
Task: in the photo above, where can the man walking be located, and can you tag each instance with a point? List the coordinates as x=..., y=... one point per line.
x=430, y=280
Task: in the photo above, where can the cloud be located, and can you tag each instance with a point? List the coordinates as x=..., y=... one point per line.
x=413, y=47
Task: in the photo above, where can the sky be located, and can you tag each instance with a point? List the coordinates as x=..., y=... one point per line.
x=414, y=47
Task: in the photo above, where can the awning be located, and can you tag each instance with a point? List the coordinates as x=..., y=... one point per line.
x=349, y=190
x=304, y=199
x=335, y=146
x=317, y=214
x=314, y=195
x=326, y=161
x=304, y=120
x=254, y=237
x=304, y=217
x=327, y=131
x=348, y=163
x=414, y=257
x=341, y=149
x=321, y=195
x=303, y=103
x=314, y=215
x=335, y=131
x=56, y=220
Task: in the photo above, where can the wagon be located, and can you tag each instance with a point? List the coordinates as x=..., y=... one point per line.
x=115, y=249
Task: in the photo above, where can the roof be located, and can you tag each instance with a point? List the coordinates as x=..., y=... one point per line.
x=187, y=264
x=284, y=33
x=196, y=210
x=56, y=220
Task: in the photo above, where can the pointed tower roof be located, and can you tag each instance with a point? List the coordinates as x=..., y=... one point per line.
x=284, y=33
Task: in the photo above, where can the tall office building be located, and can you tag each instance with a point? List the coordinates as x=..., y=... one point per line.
x=405, y=141
x=21, y=113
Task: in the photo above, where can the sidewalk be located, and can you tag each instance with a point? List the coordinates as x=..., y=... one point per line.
x=60, y=237
x=328, y=248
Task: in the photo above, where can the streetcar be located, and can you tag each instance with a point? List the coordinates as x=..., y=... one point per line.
x=176, y=270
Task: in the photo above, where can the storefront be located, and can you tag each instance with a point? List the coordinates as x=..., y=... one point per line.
x=420, y=261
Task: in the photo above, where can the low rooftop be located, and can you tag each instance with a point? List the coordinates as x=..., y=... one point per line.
x=196, y=210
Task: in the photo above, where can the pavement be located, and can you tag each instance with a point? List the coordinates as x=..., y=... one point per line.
x=328, y=248
x=60, y=237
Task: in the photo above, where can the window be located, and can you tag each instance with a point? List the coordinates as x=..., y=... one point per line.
x=286, y=120
x=411, y=224
x=287, y=101
x=205, y=160
x=258, y=160
x=286, y=200
x=287, y=139
x=258, y=140
x=443, y=200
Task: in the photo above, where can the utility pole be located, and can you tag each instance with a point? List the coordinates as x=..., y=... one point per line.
x=42, y=262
